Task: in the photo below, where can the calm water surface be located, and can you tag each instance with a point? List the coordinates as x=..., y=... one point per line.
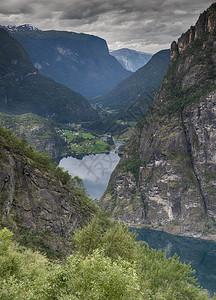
x=201, y=253
x=94, y=170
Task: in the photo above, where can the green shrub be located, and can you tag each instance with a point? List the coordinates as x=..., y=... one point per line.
x=118, y=268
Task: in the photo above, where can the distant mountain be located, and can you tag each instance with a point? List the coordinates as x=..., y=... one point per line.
x=137, y=92
x=80, y=61
x=24, y=89
x=131, y=60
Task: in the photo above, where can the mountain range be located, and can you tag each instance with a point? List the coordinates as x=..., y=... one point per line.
x=130, y=59
x=80, y=61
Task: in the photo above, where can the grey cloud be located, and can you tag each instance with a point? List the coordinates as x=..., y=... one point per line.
x=86, y=9
x=147, y=25
x=89, y=9
x=16, y=7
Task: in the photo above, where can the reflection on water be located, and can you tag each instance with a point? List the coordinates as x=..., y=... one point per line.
x=94, y=170
x=201, y=253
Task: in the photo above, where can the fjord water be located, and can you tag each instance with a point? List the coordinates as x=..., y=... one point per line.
x=201, y=253
x=95, y=170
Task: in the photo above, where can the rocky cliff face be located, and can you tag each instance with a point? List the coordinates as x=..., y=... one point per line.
x=34, y=200
x=167, y=178
x=206, y=23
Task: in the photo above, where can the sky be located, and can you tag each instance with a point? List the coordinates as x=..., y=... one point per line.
x=143, y=25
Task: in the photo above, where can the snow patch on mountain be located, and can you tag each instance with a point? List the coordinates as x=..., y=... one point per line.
x=13, y=28
x=38, y=66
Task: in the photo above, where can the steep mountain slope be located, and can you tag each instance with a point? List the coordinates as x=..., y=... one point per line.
x=167, y=178
x=140, y=85
x=37, y=200
x=37, y=131
x=80, y=61
x=130, y=59
x=24, y=89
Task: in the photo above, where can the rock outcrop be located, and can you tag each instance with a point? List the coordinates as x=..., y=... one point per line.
x=206, y=23
x=34, y=201
x=167, y=177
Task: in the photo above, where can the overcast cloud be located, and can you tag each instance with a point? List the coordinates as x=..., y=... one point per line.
x=146, y=25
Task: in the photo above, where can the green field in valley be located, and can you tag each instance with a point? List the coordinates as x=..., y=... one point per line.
x=85, y=143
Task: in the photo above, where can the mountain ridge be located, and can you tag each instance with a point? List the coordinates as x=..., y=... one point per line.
x=166, y=179
x=25, y=90
x=140, y=87
x=80, y=61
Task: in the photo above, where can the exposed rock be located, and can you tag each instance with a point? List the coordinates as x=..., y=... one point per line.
x=167, y=178
x=206, y=23
x=130, y=59
x=34, y=199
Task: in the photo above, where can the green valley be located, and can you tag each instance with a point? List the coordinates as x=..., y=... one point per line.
x=55, y=139
x=81, y=142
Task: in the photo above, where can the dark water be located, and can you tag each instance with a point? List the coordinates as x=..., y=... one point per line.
x=94, y=170
x=201, y=253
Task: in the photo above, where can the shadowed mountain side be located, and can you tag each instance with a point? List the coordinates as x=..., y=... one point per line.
x=144, y=81
x=24, y=89
x=80, y=61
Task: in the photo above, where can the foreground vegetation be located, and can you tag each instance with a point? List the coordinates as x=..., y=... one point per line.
x=106, y=261
x=107, y=264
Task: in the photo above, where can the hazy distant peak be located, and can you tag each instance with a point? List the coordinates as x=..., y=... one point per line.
x=127, y=50
x=130, y=59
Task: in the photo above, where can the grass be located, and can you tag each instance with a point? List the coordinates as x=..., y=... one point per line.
x=69, y=136
x=88, y=136
x=81, y=142
x=89, y=147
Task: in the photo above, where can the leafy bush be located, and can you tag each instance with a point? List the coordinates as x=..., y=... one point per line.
x=108, y=264
x=159, y=277
x=118, y=268
x=29, y=275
